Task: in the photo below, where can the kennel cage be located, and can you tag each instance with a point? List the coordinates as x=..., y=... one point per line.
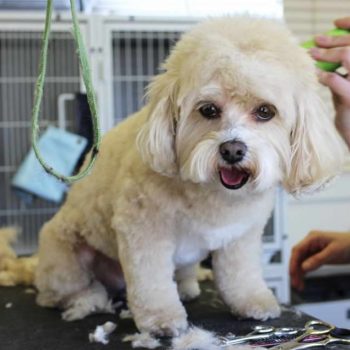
x=20, y=43
x=125, y=54
x=136, y=57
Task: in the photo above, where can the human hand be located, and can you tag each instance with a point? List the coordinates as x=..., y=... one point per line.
x=337, y=49
x=316, y=249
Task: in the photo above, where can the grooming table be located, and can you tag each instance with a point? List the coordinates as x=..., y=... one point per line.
x=25, y=326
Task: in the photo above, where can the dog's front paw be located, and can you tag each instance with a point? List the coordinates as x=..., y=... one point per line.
x=260, y=306
x=188, y=289
x=80, y=310
x=165, y=323
x=75, y=313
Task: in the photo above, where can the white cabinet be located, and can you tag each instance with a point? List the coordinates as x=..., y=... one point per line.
x=328, y=210
x=334, y=312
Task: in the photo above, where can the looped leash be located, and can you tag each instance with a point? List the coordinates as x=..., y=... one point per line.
x=85, y=68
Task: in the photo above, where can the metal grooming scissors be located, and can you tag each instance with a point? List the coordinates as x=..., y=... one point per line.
x=316, y=334
x=258, y=333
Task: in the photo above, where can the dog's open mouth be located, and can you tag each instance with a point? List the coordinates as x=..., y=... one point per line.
x=233, y=178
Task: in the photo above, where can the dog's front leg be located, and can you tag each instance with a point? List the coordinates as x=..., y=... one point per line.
x=151, y=290
x=239, y=278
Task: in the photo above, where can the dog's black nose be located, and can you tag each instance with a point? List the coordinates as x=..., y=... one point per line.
x=233, y=151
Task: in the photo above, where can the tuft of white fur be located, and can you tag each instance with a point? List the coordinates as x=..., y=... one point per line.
x=125, y=314
x=142, y=340
x=8, y=305
x=101, y=333
x=196, y=338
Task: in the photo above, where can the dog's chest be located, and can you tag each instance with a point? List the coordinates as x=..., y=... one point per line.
x=196, y=240
x=206, y=228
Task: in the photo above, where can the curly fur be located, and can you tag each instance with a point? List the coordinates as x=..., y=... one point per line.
x=154, y=201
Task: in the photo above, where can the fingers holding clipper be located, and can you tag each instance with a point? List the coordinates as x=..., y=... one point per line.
x=327, y=41
x=343, y=22
x=337, y=54
x=337, y=84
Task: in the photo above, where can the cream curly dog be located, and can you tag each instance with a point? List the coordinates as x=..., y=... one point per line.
x=234, y=114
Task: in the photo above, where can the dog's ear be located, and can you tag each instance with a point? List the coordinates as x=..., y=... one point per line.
x=156, y=139
x=318, y=152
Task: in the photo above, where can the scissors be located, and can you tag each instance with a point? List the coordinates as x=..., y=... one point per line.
x=316, y=334
x=258, y=333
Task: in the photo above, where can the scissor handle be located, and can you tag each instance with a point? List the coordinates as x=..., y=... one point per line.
x=263, y=329
x=318, y=327
x=284, y=331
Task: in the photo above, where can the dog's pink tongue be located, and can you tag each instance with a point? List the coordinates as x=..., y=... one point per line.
x=231, y=176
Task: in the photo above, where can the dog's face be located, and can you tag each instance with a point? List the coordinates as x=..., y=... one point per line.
x=232, y=137
x=237, y=108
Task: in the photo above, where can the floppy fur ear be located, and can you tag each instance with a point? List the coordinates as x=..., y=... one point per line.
x=318, y=152
x=156, y=139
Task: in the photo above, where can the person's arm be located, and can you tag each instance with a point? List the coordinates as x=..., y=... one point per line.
x=337, y=49
x=316, y=249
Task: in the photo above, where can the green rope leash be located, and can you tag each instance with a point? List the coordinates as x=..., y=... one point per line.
x=38, y=94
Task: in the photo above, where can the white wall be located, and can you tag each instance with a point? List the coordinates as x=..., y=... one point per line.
x=330, y=209
x=327, y=210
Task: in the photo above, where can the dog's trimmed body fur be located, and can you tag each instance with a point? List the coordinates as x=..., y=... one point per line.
x=161, y=196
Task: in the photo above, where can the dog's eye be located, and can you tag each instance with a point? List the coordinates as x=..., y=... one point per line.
x=265, y=112
x=210, y=111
